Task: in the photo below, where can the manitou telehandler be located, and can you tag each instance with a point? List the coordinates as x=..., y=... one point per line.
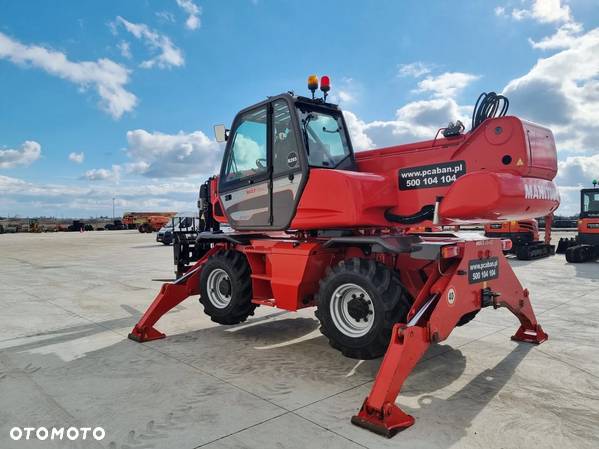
x=524, y=234
x=317, y=225
x=585, y=246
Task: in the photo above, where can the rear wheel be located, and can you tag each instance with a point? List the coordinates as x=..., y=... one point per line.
x=226, y=288
x=359, y=301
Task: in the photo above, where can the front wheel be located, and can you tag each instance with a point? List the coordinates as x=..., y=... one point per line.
x=226, y=288
x=359, y=301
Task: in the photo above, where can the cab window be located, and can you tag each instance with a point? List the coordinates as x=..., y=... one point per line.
x=247, y=157
x=325, y=138
x=285, y=155
x=591, y=202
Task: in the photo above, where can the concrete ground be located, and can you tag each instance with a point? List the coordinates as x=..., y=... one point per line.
x=68, y=301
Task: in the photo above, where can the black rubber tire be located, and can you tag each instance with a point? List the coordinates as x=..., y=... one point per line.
x=238, y=269
x=573, y=255
x=390, y=301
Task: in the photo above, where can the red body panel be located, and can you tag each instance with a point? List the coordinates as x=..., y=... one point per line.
x=482, y=151
x=341, y=199
x=497, y=196
x=501, y=171
x=588, y=226
x=285, y=274
x=513, y=227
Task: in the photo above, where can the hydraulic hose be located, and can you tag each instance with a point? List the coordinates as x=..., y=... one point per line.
x=489, y=105
x=426, y=213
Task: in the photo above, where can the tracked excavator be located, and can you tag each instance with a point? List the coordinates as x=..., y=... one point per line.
x=585, y=246
x=524, y=234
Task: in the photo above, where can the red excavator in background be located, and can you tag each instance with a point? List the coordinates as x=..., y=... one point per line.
x=585, y=246
x=524, y=234
x=317, y=225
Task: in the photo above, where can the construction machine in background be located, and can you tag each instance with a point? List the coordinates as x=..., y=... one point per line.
x=524, y=235
x=585, y=246
x=116, y=225
x=133, y=220
x=153, y=223
x=315, y=224
x=76, y=226
x=34, y=225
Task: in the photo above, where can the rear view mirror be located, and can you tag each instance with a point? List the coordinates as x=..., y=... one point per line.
x=220, y=133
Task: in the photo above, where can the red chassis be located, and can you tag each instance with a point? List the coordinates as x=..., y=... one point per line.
x=451, y=277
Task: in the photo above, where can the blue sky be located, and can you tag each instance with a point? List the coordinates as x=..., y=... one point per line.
x=119, y=98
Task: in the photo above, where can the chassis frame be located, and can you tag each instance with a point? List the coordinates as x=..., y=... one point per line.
x=449, y=275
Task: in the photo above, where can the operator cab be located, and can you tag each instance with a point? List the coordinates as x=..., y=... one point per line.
x=270, y=150
x=590, y=203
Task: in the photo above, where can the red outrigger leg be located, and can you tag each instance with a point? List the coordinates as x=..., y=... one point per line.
x=170, y=295
x=432, y=323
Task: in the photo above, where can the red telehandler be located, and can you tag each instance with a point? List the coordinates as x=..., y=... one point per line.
x=524, y=234
x=317, y=225
x=585, y=246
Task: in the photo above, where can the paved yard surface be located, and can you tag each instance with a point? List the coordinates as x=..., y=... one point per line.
x=68, y=300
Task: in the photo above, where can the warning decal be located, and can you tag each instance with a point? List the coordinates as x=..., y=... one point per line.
x=480, y=270
x=428, y=176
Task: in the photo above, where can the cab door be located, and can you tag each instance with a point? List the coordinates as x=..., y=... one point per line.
x=287, y=159
x=244, y=185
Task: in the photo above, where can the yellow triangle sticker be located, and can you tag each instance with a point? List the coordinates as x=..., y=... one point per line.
x=520, y=163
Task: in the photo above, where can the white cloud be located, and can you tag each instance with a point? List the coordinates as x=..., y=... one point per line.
x=125, y=49
x=193, y=11
x=551, y=11
x=345, y=92
x=76, y=200
x=165, y=16
x=562, y=91
x=138, y=168
x=103, y=174
x=544, y=11
x=357, y=132
x=448, y=84
x=418, y=120
x=160, y=155
x=578, y=170
x=414, y=69
x=29, y=152
x=499, y=11
x=78, y=158
x=345, y=96
x=106, y=76
x=564, y=37
x=169, y=55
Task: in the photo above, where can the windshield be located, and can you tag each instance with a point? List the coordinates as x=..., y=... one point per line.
x=590, y=202
x=325, y=138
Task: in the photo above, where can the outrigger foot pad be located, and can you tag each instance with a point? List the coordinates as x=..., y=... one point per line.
x=140, y=334
x=534, y=335
x=386, y=423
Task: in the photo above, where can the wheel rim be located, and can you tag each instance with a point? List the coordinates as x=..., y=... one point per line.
x=352, y=310
x=219, y=288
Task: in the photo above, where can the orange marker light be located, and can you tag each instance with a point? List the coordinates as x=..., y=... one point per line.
x=447, y=252
x=312, y=83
